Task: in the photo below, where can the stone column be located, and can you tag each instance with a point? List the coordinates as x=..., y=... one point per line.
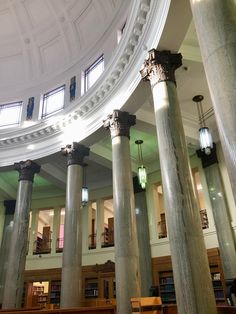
x=126, y=243
x=71, y=278
x=193, y=286
x=14, y=281
x=100, y=223
x=145, y=257
x=215, y=23
x=4, y=256
x=5, y=245
x=55, y=229
x=33, y=231
x=220, y=213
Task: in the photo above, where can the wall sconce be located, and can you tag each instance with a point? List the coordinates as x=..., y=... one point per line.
x=84, y=192
x=142, y=174
x=206, y=142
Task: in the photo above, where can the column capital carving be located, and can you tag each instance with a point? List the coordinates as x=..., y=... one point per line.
x=160, y=66
x=119, y=123
x=208, y=160
x=27, y=170
x=75, y=153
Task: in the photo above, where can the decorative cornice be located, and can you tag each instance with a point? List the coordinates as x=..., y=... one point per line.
x=145, y=16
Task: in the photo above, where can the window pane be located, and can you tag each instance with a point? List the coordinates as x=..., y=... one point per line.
x=94, y=72
x=53, y=101
x=10, y=114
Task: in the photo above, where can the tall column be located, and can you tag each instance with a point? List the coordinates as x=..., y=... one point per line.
x=100, y=223
x=220, y=213
x=5, y=245
x=33, y=231
x=193, y=286
x=4, y=256
x=71, y=277
x=55, y=229
x=145, y=257
x=215, y=23
x=126, y=243
x=14, y=281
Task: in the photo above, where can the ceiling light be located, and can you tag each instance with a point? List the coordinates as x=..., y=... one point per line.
x=142, y=174
x=84, y=192
x=206, y=142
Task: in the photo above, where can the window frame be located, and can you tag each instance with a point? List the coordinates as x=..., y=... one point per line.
x=86, y=73
x=18, y=104
x=44, y=113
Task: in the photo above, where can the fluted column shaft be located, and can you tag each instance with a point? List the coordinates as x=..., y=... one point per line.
x=126, y=243
x=193, y=286
x=14, y=281
x=71, y=280
x=215, y=23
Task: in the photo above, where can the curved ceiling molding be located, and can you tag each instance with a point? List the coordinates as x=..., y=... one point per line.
x=120, y=78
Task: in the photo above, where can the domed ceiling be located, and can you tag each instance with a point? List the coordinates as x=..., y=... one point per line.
x=40, y=39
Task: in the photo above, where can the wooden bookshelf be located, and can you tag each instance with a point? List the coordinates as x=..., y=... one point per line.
x=55, y=292
x=163, y=277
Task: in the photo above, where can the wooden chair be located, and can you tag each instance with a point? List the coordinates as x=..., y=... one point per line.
x=148, y=305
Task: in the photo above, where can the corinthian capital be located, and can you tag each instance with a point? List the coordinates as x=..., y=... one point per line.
x=119, y=123
x=27, y=170
x=75, y=153
x=160, y=66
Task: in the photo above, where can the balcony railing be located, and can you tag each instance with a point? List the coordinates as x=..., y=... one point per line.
x=42, y=245
x=204, y=219
x=161, y=229
x=108, y=238
x=59, y=245
x=92, y=241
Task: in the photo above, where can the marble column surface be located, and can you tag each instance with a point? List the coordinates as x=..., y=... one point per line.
x=71, y=283
x=126, y=244
x=222, y=221
x=4, y=256
x=145, y=257
x=215, y=23
x=14, y=281
x=193, y=285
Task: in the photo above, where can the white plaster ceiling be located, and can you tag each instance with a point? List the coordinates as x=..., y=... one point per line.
x=41, y=38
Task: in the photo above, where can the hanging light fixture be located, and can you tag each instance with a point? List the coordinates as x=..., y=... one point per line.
x=84, y=194
x=206, y=143
x=142, y=174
